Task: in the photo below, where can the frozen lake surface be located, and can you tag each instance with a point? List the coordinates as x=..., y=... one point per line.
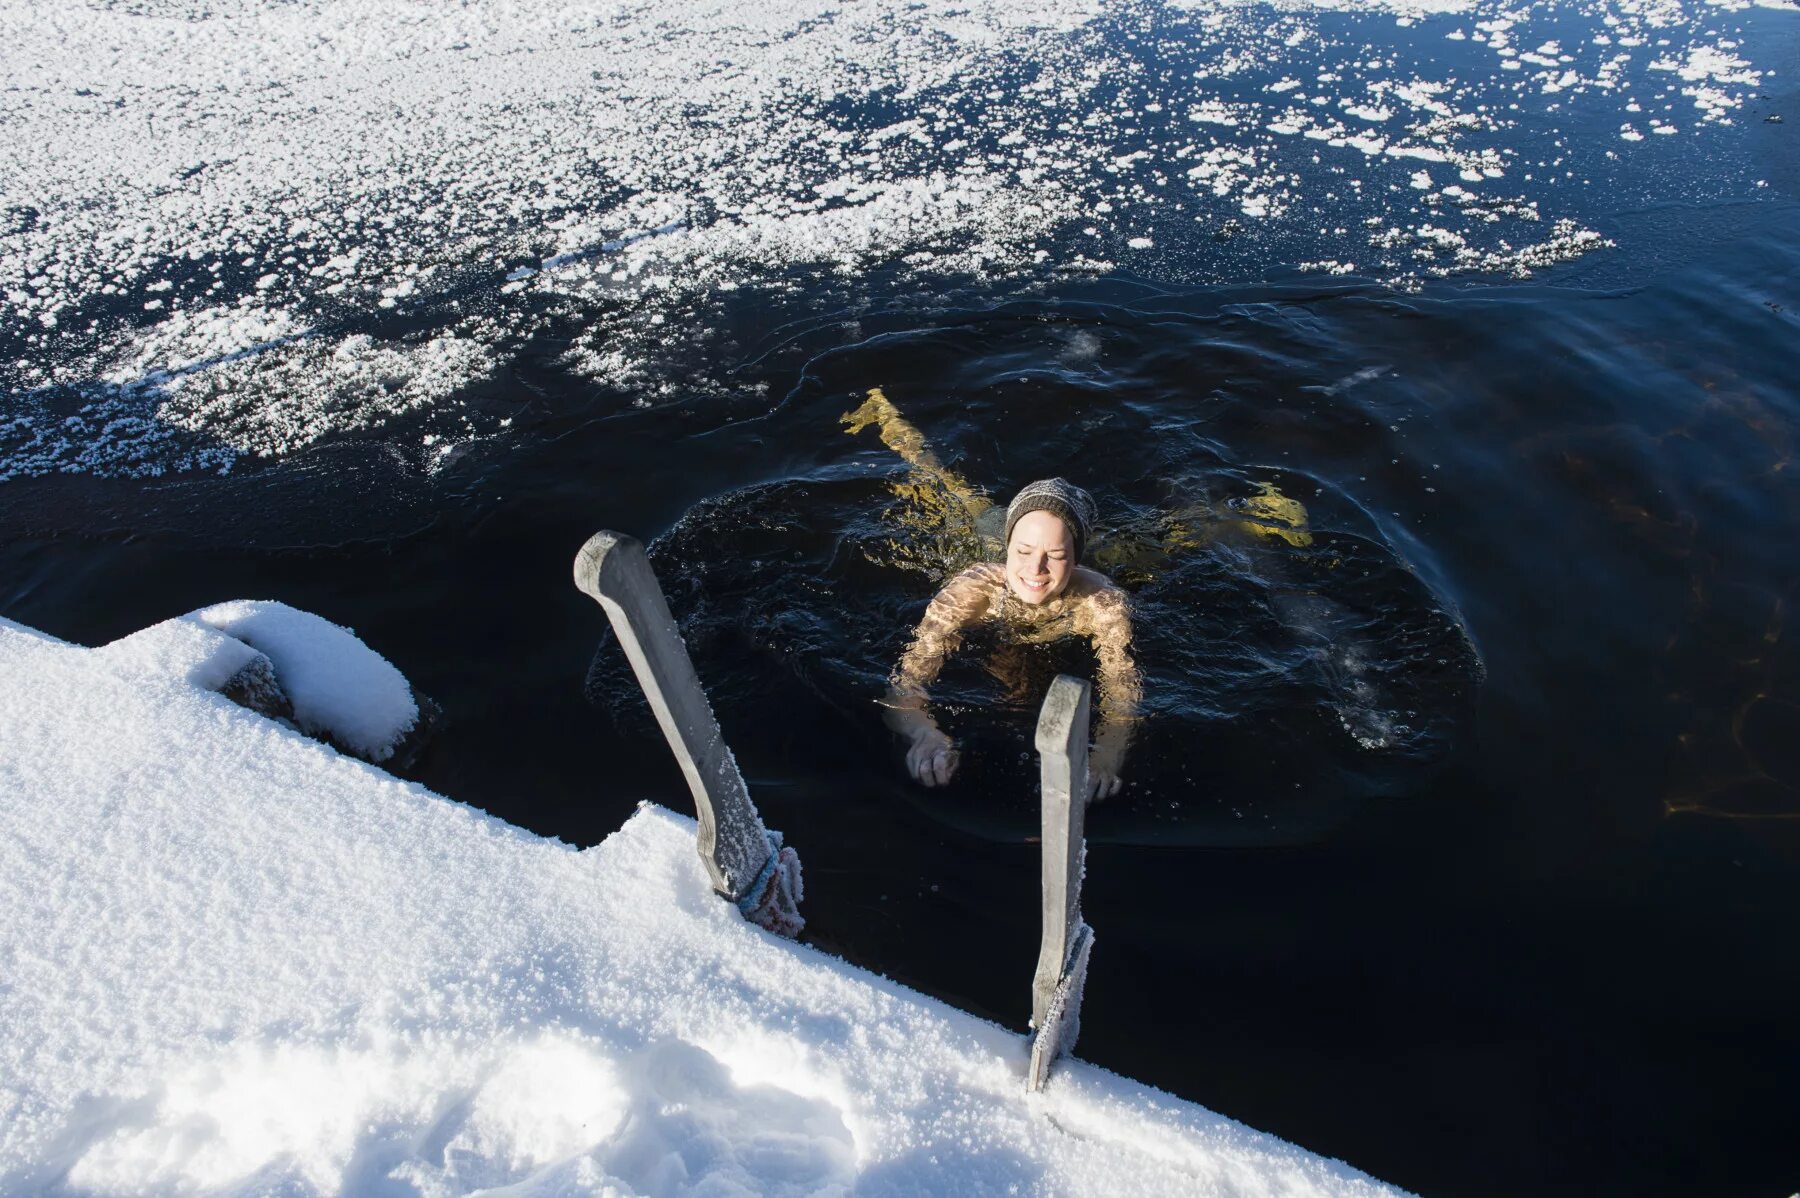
x=241, y=230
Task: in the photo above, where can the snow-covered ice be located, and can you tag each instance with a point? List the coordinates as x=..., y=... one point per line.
x=236, y=961
x=239, y=229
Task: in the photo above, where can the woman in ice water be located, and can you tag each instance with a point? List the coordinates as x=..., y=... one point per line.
x=1039, y=592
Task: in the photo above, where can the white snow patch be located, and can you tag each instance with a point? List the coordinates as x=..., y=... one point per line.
x=339, y=686
x=237, y=962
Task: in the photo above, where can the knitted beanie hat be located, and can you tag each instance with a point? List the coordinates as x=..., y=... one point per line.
x=1063, y=499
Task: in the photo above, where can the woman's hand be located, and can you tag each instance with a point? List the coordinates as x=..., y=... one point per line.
x=931, y=759
x=1102, y=784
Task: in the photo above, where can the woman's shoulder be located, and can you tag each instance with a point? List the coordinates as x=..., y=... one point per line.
x=1089, y=581
x=1098, y=593
x=975, y=589
x=982, y=574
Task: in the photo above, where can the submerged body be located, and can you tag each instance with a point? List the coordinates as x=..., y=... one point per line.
x=1038, y=593
x=1087, y=605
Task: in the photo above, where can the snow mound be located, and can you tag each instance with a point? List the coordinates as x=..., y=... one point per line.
x=340, y=688
x=236, y=962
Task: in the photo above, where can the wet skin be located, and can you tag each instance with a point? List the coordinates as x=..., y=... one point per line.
x=1041, y=595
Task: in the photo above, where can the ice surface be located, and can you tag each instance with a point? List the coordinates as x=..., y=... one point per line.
x=236, y=961
x=240, y=228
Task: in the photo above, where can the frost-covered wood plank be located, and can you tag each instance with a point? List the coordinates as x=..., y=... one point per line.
x=613, y=568
x=1062, y=744
x=1062, y=1022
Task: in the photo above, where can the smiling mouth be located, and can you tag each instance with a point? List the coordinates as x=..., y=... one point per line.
x=1034, y=586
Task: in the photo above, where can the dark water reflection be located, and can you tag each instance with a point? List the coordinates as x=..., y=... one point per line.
x=1539, y=940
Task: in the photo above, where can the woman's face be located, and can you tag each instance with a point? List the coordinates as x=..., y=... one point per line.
x=1040, y=558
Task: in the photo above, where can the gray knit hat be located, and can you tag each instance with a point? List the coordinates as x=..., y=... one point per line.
x=1061, y=498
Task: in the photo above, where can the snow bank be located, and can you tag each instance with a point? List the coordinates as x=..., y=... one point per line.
x=237, y=961
x=340, y=688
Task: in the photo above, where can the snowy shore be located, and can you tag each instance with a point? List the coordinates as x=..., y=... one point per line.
x=238, y=962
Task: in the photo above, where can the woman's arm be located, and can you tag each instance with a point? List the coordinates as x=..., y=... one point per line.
x=964, y=600
x=1121, y=689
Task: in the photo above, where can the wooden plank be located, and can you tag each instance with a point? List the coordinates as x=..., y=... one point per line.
x=1062, y=745
x=1061, y=1025
x=614, y=570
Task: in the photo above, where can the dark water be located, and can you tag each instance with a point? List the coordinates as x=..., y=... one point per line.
x=1463, y=844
